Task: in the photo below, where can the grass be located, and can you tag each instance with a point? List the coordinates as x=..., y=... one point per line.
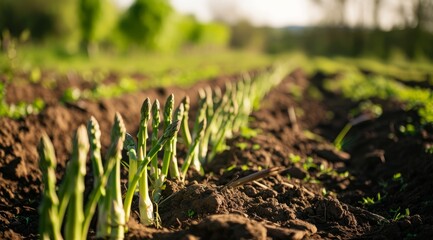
x=357, y=86
x=181, y=67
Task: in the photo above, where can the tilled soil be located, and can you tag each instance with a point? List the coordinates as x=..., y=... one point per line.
x=318, y=194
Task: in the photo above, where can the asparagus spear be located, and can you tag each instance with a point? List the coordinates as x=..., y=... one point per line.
x=77, y=166
x=155, y=125
x=169, y=133
x=114, y=194
x=186, y=134
x=49, y=223
x=145, y=203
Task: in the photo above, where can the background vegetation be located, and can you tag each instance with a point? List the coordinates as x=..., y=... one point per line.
x=89, y=26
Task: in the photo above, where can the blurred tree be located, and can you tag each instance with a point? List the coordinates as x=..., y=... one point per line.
x=35, y=15
x=184, y=30
x=377, y=4
x=89, y=12
x=96, y=18
x=143, y=21
x=423, y=13
x=245, y=35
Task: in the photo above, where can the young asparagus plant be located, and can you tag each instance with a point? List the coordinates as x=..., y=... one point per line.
x=156, y=119
x=49, y=222
x=168, y=134
x=100, y=174
x=162, y=173
x=113, y=225
x=131, y=150
x=186, y=134
x=115, y=193
x=145, y=203
x=225, y=130
x=168, y=149
x=210, y=111
x=174, y=169
x=97, y=166
x=196, y=135
x=193, y=148
x=77, y=165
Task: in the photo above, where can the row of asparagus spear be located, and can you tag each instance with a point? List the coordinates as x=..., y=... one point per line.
x=219, y=115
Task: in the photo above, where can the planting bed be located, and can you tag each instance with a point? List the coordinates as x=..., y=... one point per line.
x=380, y=187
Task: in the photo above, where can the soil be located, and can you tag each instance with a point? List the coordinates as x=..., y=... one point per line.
x=317, y=194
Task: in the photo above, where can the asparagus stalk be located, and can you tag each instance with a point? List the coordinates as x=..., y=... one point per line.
x=75, y=216
x=168, y=153
x=49, y=223
x=204, y=142
x=130, y=147
x=145, y=203
x=155, y=125
x=186, y=134
x=99, y=188
x=174, y=170
x=193, y=149
x=142, y=130
x=111, y=222
x=201, y=116
x=168, y=147
x=94, y=134
x=114, y=194
x=142, y=167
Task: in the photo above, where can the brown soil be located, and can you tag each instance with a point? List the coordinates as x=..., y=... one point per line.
x=298, y=202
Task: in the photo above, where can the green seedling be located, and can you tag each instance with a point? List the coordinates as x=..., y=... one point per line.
x=190, y=213
x=371, y=200
x=294, y=158
x=338, y=142
x=398, y=215
x=242, y=146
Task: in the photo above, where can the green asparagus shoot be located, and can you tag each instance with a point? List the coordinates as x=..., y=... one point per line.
x=156, y=119
x=77, y=165
x=168, y=134
x=174, y=170
x=168, y=118
x=193, y=148
x=114, y=194
x=186, y=134
x=145, y=204
x=49, y=223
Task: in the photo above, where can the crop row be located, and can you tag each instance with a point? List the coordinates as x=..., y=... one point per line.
x=218, y=117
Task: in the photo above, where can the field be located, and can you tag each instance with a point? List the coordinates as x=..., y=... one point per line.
x=348, y=144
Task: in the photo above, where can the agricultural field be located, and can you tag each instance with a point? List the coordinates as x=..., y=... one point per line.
x=239, y=147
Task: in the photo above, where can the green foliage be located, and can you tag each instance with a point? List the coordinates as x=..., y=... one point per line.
x=144, y=20
x=97, y=18
x=212, y=34
x=356, y=86
x=89, y=13
x=180, y=30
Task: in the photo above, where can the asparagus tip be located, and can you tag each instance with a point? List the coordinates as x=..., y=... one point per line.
x=46, y=151
x=145, y=108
